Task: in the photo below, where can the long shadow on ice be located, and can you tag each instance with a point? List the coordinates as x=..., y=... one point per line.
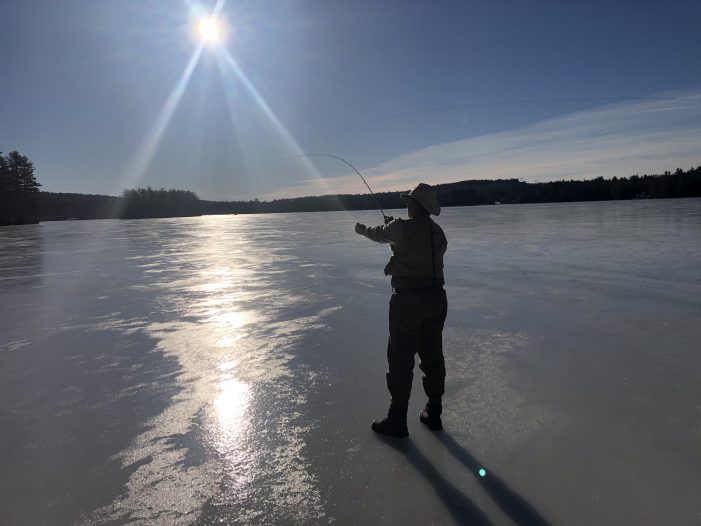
x=510, y=502
x=459, y=506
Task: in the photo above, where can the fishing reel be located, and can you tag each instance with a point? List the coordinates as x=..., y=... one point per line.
x=388, y=219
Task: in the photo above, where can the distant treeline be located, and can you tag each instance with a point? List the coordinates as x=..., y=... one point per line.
x=483, y=192
x=59, y=206
x=138, y=203
x=18, y=190
x=148, y=202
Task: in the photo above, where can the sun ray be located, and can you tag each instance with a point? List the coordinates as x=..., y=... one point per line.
x=148, y=146
x=229, y=97
x=289, y=141
x=217, y=8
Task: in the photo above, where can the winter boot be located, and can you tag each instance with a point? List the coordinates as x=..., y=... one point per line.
x=431, y=415
x=395, y=423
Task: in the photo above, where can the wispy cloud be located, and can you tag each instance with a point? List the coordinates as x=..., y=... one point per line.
x=642, y=136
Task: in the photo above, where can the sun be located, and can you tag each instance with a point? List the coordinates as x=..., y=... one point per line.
x=209, y=31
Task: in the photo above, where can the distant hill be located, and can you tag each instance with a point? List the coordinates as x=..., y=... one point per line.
x=171, y=203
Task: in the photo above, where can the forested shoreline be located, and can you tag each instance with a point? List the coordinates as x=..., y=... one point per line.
x=148, y=202
x=486, y=192
x=22, y=202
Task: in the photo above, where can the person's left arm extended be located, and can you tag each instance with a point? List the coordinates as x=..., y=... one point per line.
x=389, y=233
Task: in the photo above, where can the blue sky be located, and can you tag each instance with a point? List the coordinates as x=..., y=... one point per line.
x=93, y=92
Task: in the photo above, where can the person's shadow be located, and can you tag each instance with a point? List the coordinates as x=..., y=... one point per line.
x=460, y=507
x=510, y=502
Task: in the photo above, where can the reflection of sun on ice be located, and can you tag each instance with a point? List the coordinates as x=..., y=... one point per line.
x=230, y=408
x=231, y=319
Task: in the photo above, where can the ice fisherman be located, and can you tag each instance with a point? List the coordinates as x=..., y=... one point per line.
x=417, y=308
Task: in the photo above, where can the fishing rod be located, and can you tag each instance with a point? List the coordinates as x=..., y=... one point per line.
x=386, y=218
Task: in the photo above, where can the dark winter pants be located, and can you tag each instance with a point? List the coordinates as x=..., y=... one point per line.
x=416, y=326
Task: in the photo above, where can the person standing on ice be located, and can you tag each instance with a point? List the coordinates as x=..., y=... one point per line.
x=417, y=309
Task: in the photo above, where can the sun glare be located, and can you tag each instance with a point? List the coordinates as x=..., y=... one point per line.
x=209, y=31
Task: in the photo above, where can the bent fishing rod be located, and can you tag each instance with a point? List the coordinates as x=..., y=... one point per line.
x=386, y=218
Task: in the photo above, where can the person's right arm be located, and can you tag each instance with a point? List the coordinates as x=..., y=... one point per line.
x=389, y=233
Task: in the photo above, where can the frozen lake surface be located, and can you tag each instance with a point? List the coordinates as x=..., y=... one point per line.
x=226, y=369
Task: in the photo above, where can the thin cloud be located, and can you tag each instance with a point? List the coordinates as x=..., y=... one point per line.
x=614, y=140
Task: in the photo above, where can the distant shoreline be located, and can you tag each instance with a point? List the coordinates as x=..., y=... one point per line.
x=58, y=206
x=375, y=209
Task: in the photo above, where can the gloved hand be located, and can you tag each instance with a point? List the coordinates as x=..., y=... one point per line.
x=360, y=229
x=388, y=220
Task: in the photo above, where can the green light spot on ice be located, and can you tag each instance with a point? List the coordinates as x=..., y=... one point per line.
x=482, y=472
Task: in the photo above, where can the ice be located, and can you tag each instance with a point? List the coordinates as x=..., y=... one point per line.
x=226, y=369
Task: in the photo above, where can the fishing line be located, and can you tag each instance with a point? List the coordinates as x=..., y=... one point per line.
x=377, y=202
x=490, y=104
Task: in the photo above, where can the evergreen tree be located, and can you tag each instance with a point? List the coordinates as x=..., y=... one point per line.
x=18, y=190
x=4, y=175
x=22, y=171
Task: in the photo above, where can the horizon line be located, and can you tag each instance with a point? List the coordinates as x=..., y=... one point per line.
x=521, y=180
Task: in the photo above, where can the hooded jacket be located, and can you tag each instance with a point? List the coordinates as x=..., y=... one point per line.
x=411, y=264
